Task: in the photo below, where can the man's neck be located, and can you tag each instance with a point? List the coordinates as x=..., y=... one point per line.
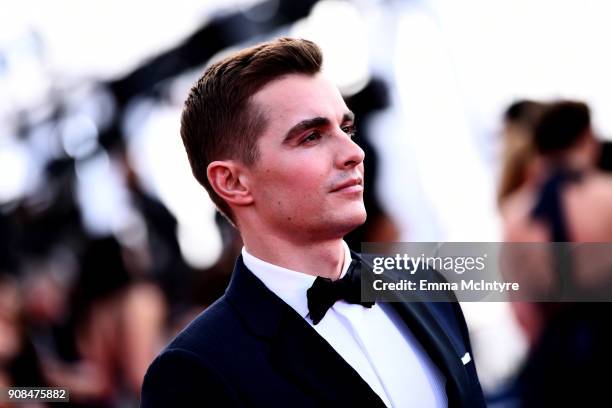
x=321, y=258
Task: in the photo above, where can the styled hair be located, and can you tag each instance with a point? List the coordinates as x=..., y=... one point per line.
x=520, y=120
x=219, y=119
x=562, y=124
x=524, y=113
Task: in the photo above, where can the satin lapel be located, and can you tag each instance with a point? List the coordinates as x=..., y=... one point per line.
x=426, y=328
x=296, y=348
x=306, y=357
x=434, y=340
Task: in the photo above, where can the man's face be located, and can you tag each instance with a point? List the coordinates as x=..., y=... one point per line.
x=308, y=179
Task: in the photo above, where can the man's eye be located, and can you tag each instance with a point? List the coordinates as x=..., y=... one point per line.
x=349, y=130
x=314, y=136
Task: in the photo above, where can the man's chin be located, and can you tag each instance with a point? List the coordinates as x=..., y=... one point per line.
x=338, y=223
x=354, y=220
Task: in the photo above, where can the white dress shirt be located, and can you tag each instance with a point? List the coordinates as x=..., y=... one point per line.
x=373, y=341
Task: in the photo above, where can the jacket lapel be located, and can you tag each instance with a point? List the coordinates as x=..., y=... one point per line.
x=306, y=357
x=435, y=341
x=421, y=321
x=297, y=350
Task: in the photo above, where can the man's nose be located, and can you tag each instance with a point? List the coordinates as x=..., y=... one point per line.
x=349, y=153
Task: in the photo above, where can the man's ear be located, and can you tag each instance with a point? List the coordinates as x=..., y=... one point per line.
x=227, y=178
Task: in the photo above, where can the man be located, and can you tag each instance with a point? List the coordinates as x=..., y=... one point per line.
x=565, y=199
x=269, y=137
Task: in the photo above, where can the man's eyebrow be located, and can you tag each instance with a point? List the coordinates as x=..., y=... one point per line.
x=313, y=123
x=305, y=125
x=348, y=117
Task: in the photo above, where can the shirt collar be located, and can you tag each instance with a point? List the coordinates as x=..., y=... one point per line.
x=287, y=284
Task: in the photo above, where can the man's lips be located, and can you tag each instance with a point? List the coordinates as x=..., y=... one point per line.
x=353, y=184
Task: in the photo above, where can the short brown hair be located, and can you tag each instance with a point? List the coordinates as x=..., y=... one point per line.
x=220, y=122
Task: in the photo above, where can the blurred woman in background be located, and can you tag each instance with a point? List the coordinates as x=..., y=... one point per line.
x=564, y=198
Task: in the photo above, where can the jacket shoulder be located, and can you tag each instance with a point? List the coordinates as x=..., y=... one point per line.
x=212, y=331
x=187, y=370
x=180, y=378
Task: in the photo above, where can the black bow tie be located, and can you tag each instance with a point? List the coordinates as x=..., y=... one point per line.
x=324, y=292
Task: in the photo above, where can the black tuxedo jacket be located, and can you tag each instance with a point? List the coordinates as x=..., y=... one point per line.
x=252, y=349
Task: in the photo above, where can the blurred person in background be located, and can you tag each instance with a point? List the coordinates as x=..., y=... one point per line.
x=565, y=199
x=270, y=138
x=19, y=362
x=99, y=343
x=92, y=307
x=92, y=312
